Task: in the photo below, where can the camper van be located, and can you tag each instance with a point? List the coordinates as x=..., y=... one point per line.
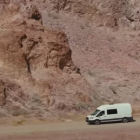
x=111, y=113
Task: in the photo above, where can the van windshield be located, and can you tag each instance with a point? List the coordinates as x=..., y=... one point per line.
x=95, y=112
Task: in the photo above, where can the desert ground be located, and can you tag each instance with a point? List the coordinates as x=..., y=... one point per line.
x=73, y=130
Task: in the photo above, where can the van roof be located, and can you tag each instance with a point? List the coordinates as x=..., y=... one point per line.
x=113, y=105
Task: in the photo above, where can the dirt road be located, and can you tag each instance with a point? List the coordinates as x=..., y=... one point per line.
x=65, y=126
x=73, y=131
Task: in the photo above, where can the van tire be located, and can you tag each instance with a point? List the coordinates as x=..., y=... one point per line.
x=125, y=120
x=96, y=122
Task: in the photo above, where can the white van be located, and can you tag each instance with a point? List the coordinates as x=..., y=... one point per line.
x=110, y=113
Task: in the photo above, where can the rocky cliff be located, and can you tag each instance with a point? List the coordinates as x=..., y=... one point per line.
x=65, y=56
x=38, y=75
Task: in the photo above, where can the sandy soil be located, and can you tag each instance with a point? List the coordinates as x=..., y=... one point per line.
x=115, y=134
x=73, y=131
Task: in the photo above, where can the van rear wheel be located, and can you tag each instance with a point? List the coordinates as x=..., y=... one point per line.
x=97, y=122
x=125, y=120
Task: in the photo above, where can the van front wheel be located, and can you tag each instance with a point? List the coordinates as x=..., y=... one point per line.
x=97, y=122
x=125, y=120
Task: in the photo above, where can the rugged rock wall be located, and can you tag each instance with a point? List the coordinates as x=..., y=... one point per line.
x=111, y=13
x=108, y=57
x=37, y=62
x=43, y=43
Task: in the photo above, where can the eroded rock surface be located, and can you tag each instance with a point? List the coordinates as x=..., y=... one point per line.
x=69, y=56
x=38, y=59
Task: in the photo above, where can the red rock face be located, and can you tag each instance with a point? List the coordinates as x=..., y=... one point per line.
x=12, y=97
x=104, y=38
x=34, y=45
x=65, y=58
x=37, y=61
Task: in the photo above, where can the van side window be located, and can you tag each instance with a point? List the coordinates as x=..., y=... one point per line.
x=111, y=111
x=101, y=113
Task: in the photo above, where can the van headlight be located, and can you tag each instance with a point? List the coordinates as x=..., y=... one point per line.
x=91, y=117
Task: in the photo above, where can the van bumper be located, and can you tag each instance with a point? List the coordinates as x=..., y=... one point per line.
x=89, y=121
x=130, y=119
